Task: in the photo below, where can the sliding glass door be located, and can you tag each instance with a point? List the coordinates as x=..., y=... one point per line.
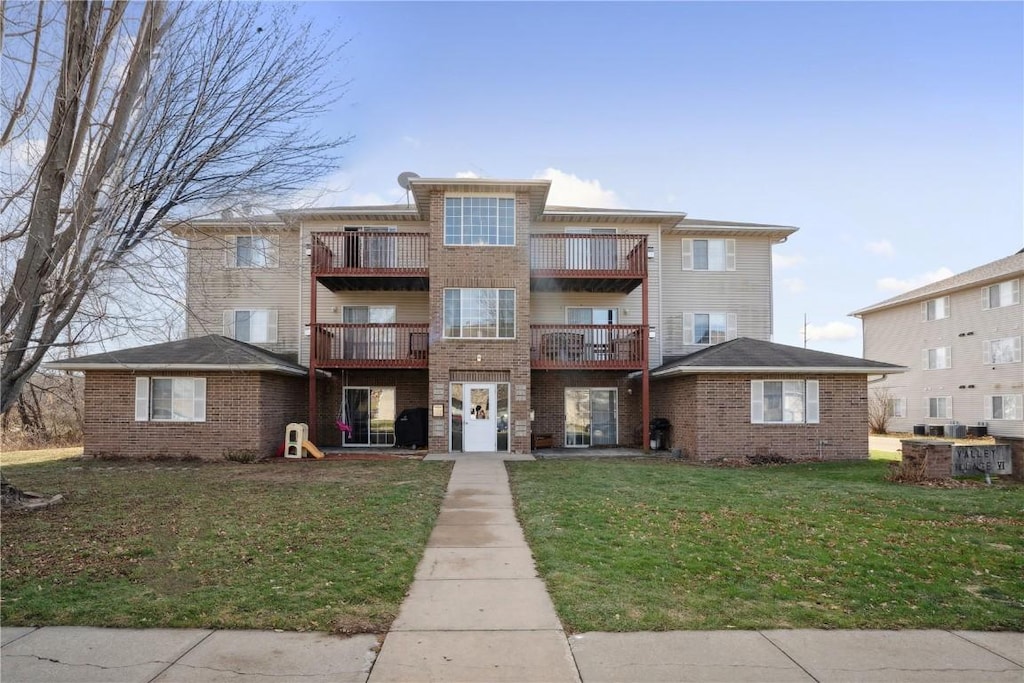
x=591, y=417
x=370, y=413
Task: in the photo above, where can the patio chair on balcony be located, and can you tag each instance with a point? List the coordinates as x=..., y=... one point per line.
x=419, y=342
x=562, y=346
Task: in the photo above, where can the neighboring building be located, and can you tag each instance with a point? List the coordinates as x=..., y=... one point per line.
x=506, y=318
x=961, y=339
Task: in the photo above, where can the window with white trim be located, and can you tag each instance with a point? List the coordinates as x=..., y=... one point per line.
x=784, y=401
x=999, y=351
x=480, y=221
x=479, y=313
x=936, y=309
x=1004, y=407
x=939, y=407
x=708, y=328
x=170, y=399
x=1001, y=294
x=896, y=407
x=256, y=326
x=709, y=254
x=252, y=251
x=938, y=358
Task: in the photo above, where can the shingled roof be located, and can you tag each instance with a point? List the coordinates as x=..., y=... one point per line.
x=754, y=355
x=210, y=353
x=1011, y=266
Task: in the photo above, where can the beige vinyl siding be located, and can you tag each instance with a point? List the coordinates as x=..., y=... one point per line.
x=548, y=308
x=745, y=292
x=214, y=288
x=410, y=307
x=900, y=335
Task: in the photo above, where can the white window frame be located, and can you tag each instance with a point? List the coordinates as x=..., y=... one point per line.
x=988, y=348
x=197, y=401
x=946, y=357
x=461, y=242
x=1010, y=289
x=928, y=407
x=896, y=407
x=269, y=324
x=809, y=392
x=269, y=251
x=690, y=327
x=935, y=309
x=1016, y=401
x=462, y=304
x=728, y=258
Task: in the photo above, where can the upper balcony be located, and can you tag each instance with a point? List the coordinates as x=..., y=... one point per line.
x=586, y=347
x=370, y=260
x=561, y=262
x=371, y=345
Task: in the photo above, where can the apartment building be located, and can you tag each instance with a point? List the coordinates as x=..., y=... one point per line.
x=511, y=321
x=961, y=340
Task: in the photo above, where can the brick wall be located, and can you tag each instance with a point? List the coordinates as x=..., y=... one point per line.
x=244, y=411
x=497, y=267
x=710, y=417
x=548, y=401
x=926, y=459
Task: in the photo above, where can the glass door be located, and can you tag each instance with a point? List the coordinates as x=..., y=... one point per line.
x=591, y=417
x=370, y=413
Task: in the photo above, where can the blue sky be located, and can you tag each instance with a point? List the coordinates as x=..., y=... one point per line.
x=891, y=134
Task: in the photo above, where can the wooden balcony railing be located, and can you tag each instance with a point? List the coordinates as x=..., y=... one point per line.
x=369, y=253
x=372, y=345
x=586, y=347
x=583, y=255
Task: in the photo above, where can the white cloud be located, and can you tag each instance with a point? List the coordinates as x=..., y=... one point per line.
x=342, y=188
x=787, y=260
x=467, y=174
x=793, y=285
x=570, y=190
x=833, y=331
x=881, y=247
x=898, y=286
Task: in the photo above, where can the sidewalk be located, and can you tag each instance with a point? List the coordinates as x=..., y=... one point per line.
x=477, y=612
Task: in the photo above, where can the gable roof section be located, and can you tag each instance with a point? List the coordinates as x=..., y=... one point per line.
x=753, y=355
x=212, y=353
x=1009, y=267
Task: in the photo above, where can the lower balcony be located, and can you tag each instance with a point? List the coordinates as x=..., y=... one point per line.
x=586, y=347
x=372, y=345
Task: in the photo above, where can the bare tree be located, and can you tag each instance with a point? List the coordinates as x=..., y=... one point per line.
x=123, y=119
x=879, y=410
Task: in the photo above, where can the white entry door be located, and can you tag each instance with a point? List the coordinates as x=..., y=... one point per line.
x=480, y=424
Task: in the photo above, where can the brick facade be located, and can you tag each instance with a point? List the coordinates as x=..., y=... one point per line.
x=710, y=417
x=245, y=411
x=548, y=402
x=410, y=392
x=488, y=266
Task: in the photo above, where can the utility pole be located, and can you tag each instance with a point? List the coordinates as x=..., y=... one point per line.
x=805, y=330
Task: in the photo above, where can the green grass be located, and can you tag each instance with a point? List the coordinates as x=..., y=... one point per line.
x=886, y=455
x=329, y=546
x=644, y=545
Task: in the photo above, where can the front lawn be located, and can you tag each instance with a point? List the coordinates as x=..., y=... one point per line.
x=289, y=545
x=654, y=545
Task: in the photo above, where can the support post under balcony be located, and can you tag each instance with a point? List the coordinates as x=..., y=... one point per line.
x=313, y=411
x=645, y=385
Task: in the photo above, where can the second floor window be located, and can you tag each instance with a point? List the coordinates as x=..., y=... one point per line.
x=937, y=359
x=251, y=251
x=998, y=351
x=1003, y=294
x=480, y=221
x=480, y=313
x=257, y=326
x=708, y=328
x=936, y=309
x=709, y=254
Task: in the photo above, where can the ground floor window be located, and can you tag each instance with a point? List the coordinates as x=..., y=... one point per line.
x=939, y=407
x=1005, y=407
x=784, y=401
x=170, y=399
x=591, y=417
x=369, y=413
x=896, y=407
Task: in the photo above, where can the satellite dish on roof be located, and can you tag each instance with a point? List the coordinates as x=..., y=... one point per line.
x=404, y=177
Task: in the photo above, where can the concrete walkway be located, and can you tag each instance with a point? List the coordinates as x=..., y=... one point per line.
x=477, y=610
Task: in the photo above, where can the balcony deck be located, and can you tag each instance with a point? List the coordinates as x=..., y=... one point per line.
x=370, y=261
x=372, y=345
x=561, y=262
x=586, y=347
